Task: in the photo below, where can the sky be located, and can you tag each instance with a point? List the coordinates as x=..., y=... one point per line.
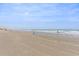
x=40, y=15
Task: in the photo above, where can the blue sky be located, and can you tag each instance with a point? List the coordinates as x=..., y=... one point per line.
x=40, y=16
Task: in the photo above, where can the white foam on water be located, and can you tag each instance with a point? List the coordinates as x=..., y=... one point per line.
x=62, y=32
x=72, y=32
x=46, y=31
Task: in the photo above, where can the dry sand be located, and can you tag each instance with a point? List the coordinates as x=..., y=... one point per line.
x=13, y=43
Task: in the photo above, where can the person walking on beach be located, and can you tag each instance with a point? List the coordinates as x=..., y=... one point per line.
x=33, y=33
x=57, y=30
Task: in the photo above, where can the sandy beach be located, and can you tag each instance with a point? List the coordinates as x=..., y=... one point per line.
x=15, y=43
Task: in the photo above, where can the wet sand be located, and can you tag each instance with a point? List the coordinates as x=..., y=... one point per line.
x=15, y=43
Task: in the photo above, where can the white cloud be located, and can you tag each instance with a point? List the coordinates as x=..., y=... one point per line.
x=26, y=13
